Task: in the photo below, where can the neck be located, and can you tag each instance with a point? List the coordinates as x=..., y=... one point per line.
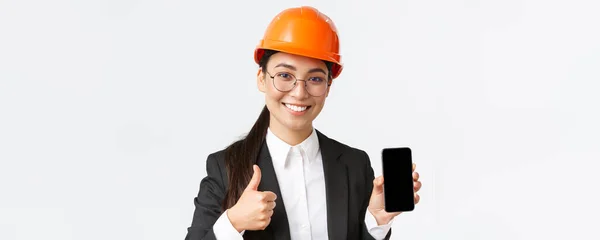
x=290, y=136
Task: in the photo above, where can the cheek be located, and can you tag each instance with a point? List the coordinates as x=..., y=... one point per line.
x=273, y=96
x=319, y=101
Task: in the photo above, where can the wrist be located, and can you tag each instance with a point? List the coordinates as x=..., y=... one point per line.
x=381, y=217
x=233, y=219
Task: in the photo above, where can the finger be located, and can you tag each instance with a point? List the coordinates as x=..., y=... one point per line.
x=266, y=224
x=415, y=176
x=377, y=185
x=378, y=181
x=417, y=186
x=414, y=166
x=271, y=205
x=269, y=196
x=417, y=198
x=255, y=181
x=267, y=206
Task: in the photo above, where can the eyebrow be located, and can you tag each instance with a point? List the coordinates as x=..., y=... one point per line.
x=285, y=65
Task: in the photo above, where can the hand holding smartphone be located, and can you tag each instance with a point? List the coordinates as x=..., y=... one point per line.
x=398, y=186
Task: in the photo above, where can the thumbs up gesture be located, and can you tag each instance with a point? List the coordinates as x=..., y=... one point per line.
x=254, y=209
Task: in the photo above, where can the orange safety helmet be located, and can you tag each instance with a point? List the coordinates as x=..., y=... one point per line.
x=303, y=31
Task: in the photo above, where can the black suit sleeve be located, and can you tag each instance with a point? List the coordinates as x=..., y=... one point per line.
x=207, y=203
x=370, y=176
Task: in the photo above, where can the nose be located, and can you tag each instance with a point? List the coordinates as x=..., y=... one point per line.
x=300, y=91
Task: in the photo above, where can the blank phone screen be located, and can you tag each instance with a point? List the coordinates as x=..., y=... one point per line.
x=398, y=181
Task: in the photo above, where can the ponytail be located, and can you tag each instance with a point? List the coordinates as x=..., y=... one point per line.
x=241, y=155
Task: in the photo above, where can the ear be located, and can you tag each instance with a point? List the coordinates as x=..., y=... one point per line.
x=260, y=81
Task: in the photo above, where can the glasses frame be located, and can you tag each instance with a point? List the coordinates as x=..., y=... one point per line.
x=296, y=81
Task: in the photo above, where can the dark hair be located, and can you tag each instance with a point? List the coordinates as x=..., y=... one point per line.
x=242, y=154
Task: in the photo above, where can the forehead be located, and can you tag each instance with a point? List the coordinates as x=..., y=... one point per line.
x=301, y=63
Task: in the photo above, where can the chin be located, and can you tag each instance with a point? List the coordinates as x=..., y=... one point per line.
x=297, y=125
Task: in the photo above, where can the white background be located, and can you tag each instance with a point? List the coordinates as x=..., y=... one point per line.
x=108, y=110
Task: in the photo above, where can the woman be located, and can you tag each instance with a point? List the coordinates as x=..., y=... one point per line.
x=285, y=179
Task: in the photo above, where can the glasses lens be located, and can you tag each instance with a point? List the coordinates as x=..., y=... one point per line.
x=284, y=81
x=316, y=86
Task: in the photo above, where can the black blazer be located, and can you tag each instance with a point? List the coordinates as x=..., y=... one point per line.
x=348, y=182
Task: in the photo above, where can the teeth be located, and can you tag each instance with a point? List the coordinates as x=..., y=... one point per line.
x=296, y=108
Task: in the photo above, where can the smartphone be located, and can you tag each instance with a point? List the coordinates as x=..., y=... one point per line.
x=398, y=188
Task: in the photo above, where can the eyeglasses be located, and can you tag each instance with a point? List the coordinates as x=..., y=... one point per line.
x=315, y=86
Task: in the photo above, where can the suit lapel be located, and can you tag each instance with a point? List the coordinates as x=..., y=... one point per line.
x=336, y=190
x=336, y=187
x=279, y=225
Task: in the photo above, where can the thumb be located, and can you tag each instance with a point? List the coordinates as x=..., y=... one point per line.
x=378, y=185
x=253, y=185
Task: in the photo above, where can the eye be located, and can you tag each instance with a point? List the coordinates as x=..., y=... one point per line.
x=284, y=75
x=316, y=79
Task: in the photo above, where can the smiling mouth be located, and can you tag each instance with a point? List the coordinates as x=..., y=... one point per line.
x=296, y=108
